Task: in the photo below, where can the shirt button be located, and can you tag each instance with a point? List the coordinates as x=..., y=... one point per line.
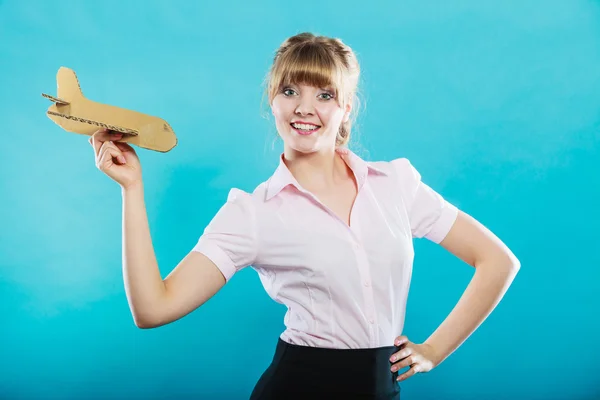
x=356, y=246
x=367, y=283
x=371, y=320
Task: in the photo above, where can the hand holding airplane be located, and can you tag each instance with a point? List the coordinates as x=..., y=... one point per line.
x=116, y=159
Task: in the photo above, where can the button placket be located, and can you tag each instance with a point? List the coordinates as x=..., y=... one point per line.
x=363, y=267
x=370, y=310
x=367, y=288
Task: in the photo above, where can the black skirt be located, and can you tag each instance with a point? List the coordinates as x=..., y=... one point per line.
x=303, y=372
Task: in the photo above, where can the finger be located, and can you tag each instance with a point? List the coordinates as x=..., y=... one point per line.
x=103, y=149
x=101, y=157
x=114, y=135
x=115, y=152
x=401, y=354
x=101, y=136
x=107, y=152
x=400, y=340
x=102, y=139
x=94, y=140
x=403, y=363
x=408, y=373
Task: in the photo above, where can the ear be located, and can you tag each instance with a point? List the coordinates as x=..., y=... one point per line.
x=347, y=112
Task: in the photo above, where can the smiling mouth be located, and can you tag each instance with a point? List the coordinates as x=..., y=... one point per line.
x=305, y=129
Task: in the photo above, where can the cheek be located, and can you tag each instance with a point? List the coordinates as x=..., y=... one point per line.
x=331, y=115
x=279, y=112
x=278, y=117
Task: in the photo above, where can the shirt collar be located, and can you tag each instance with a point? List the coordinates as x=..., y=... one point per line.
x=282, y=176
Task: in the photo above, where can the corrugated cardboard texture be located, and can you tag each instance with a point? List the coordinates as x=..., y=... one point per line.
x=74, y=113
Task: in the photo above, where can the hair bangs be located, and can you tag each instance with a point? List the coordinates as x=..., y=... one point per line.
x=308, y=65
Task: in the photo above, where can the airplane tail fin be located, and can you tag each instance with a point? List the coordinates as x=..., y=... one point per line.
x=68, y=88
x=68, y=85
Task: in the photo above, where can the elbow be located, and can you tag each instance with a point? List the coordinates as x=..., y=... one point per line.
x=145, y=322
x=144, y=325
x=150, y=316
x=517, y=266
x=512, y=268
x=502, y=263
x=514, y=263
x=510, y=261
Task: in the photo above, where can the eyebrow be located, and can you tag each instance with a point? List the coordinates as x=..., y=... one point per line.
x=330, y=89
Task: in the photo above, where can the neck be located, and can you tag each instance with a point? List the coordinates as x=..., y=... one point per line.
x=316, y=171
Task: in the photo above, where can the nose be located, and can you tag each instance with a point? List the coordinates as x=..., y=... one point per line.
x=304, y=106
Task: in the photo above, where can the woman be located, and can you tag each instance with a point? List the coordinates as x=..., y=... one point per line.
x=330, y=236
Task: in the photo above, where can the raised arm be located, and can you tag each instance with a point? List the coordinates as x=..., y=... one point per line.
x=154, y=302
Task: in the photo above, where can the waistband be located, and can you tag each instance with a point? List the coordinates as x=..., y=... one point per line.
x=318, y=351
x=365, y=360
x=359, y=371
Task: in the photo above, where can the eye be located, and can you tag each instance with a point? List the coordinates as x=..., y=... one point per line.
x=328, y=94
x=285, y=90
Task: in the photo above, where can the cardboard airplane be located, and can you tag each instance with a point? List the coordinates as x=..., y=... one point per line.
x=74, y=113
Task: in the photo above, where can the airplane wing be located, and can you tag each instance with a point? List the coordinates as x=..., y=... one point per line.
x=55, y=99
x=115, y=128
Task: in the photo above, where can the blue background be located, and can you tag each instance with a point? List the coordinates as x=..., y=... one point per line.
x=497, y=104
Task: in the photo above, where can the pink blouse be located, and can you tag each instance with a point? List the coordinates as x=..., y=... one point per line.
x=344, y=286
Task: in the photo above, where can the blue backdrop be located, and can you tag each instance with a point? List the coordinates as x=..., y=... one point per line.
x=497, y=104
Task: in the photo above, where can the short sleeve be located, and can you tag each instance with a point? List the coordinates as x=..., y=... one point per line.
x=230, y=239
x=430, y=215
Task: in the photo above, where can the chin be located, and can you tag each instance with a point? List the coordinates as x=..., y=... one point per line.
x=303, y=144
x=303, y=148
x=307, y=147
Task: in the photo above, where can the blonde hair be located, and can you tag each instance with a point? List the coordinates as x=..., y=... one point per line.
x=321, y=62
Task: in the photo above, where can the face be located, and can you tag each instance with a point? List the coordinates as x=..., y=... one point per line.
x=308, y=118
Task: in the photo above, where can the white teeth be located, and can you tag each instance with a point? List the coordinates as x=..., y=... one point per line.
x=305, y=127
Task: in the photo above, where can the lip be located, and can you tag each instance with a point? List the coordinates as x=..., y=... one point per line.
x=304, y=122
x=305, y=133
